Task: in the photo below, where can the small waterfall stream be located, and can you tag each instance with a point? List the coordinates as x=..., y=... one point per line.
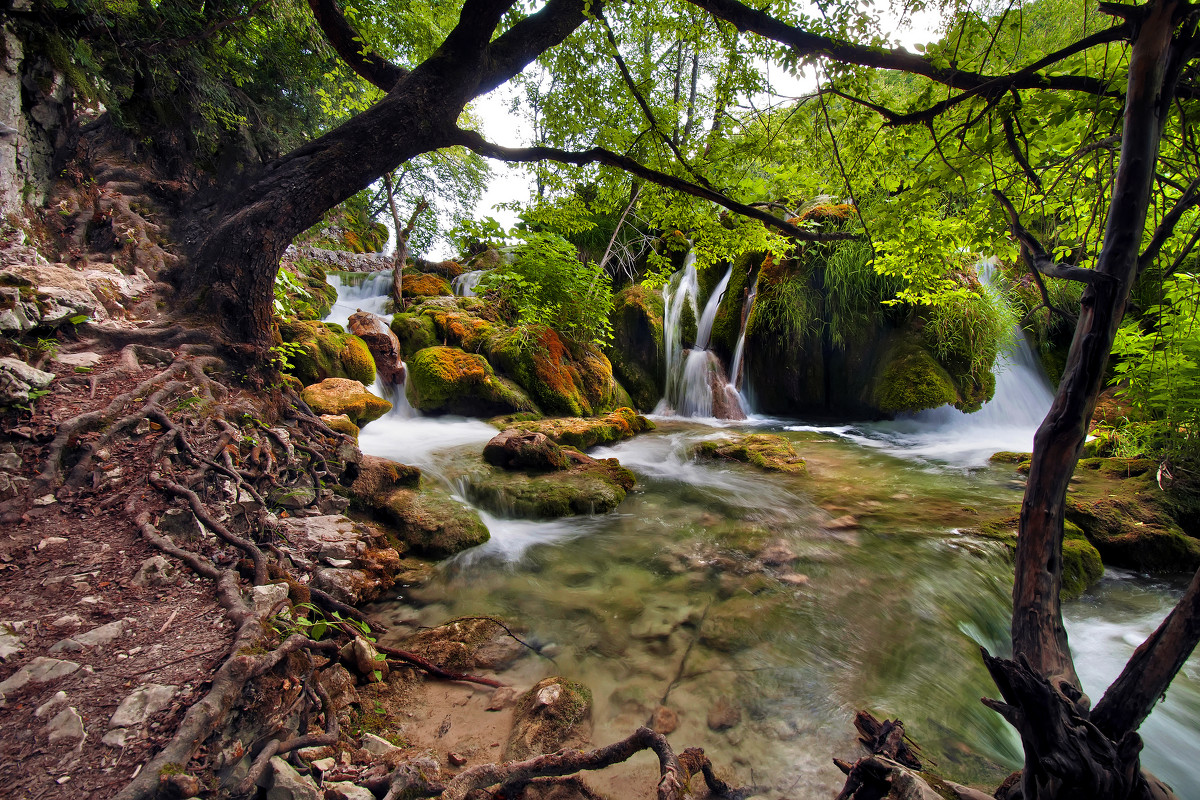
x=464, y=285
x=630, y=601
x=696, y=385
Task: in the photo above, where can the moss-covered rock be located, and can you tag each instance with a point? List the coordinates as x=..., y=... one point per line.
x=415, y=331
x=319, y=351
x=430, y=522
x=561, y=378
x=1082, y=566
x=550, y=716
x=340, y=423
x=336, y=396
x=637, y=344
x=913, y=380
x=461, y=328
x=1009, y=457
x=304, y=291
x=468, y=644
x=734, y=624
x=1132, y=532
x=446, y=380
x=528, y=450
x=585, y=432
x=590, y=487
x=767, y=451
x=421, y=284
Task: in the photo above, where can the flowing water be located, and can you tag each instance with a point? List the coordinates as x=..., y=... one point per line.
x=464, y=285
x=659, y=603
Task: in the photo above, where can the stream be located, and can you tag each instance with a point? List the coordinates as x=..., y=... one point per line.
x=655, y=602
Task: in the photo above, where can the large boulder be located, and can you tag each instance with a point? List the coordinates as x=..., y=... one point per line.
x=421, y=284
x=554, y=714
x=562, y=378
x=529, y=450
x=414, y=331
x=321, y=350
x=37, y=293
x=383, y=344
x=912, y=380
x=343, y=396
x=637, y=344
x=430, y=522
x=446, y=380
x=585, y=432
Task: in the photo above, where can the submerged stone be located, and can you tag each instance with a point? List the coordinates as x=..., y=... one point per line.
x=590, y=487
x=766, y=451
x=553, y=714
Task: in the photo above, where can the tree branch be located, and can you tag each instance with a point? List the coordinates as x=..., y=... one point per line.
x=1036, y=256
x=1151, y=668
x=598, y=155
x=641, y=101
x=349, y=46
x=1010, y=136
x=1188, y=200
x=804, y=43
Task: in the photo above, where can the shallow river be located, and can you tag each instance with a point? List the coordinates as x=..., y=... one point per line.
x=653, y=603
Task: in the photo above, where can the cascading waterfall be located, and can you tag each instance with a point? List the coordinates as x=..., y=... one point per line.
x=739, y=351
x=1006, y=422
x=369, y=292
x=696, y=386
x=464, y=285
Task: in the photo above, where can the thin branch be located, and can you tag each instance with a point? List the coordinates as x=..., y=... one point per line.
x=348, y=44
x=1010, y=136
x=1183, y=254
x=641, y=101
x=598, y=155
x=1037, y=257
x=1188, y=200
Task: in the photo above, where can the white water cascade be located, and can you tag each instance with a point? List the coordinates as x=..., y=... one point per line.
x=464, y=285
x=739, y=351
x=694, y=376
x=1006, y=422
x=369, y=292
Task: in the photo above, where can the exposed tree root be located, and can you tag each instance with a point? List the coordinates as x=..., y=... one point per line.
x=428, y=666
x=674, y=772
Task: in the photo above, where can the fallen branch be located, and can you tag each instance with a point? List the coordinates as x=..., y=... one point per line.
x=433, y=669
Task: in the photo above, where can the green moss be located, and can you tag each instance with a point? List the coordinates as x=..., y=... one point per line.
x=541, y=728
x=447, y=380
x=687, y=325
x=727, y=325
x=327, y=351
x=767, y=451
x=586, y=432
x=1132, y=530
x=1081, y=569
x=595, y=488
x=1009, y=457
x=430, y=522
x=415, y=331
x=912, y=380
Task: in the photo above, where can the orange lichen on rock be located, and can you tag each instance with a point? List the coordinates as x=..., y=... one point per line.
x=424, y=285
x=836, y=211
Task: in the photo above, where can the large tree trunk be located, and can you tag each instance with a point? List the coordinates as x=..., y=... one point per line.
x=1039, y=639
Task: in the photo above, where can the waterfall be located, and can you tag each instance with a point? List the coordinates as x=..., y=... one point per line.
x=1006, y=422
x=735, y=369
x=464, y=285
x=371, y=292
x=696, y=385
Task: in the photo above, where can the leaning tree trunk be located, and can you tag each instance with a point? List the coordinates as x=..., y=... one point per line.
x=1053, y=718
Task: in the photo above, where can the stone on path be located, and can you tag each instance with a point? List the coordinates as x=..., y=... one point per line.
x=377, y=745
x=141, y=704
x=10, y=642
x=40, y=670
x=67, y=724
x=96, y=637
x=287, y=784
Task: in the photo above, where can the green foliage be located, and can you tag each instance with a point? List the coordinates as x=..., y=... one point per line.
x=308, y=620
x=1158, y=367
x=548, y=286
x=969, y=329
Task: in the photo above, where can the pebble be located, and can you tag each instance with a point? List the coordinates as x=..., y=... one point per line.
x=842, y=523
x=723, y=715
x=794, y=579
x=115, y=738
x=46, y=500
x=377, y=745
x=68, y=621
x=664, y=720
x=456, y=760
x=10, y=643
x=502, y=698
x=49, y=541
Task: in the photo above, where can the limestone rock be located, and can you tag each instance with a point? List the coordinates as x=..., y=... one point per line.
x=555, y=713
x=139, y=706
x=287, y=784
x=344, y=790
x=156, y=571
x=78, y=361
x=590, y=486
x=50, y=706
x=67, y=724
x=181, y=523
x=383, y=344
x=339, y=685
x=10, y=642
x=378, y=476
x=363, y=656
x=767, y=451
x=98, y=637
x=343, y=396
x=40, y=670
x=531, y=450
x=115, y=738
x=585, y=432
x=18, y=379
x=268, y=596
x=340, y=423
x=377, y=745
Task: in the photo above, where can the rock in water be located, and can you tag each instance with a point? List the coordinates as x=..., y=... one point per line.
x=517, y=449
x=382, y=343
x=554, y=713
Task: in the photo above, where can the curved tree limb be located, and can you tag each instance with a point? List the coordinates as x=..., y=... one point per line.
x=1037, y=257
x=805, y=43
x=349, y=46
x=598, y=155
x=1188, y=200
